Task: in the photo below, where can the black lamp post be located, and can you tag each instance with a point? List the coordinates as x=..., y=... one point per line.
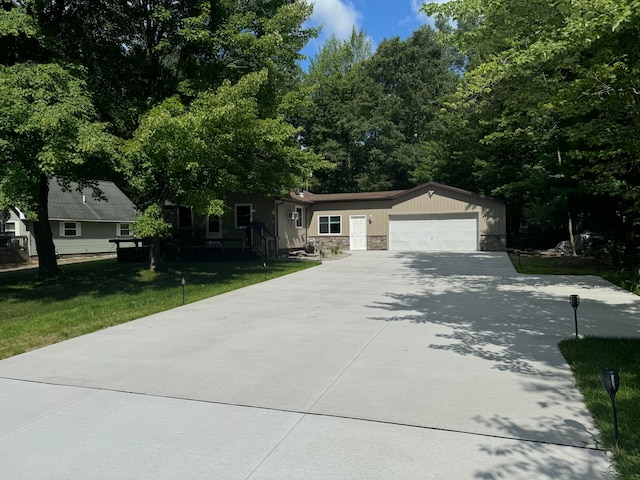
x=182, y=282
x=575, y=301
x=611, y=383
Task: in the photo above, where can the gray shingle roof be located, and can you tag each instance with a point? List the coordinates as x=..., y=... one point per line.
x=81, y=206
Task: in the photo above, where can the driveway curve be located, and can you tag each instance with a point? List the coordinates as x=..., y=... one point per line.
x=382, y=365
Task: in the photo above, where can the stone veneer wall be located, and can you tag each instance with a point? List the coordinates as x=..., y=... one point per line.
x=377, y=242
x=493, y=243
x=328, y=242
x=374, y=242
x=488, y=243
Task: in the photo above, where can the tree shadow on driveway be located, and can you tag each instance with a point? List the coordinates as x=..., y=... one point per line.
x=512, y=323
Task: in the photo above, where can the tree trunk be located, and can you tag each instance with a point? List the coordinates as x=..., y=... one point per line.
x=47, y=264
x=154, y=254
x=572, y=240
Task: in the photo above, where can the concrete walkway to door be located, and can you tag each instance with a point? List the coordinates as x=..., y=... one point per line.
x=383, y=365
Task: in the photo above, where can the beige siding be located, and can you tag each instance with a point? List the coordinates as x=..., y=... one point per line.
x=289, y=235
x=375, y=211
x=491, y=215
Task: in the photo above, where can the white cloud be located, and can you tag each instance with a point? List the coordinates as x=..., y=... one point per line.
x=415, y=7
x=419, y=17
x=336, y=17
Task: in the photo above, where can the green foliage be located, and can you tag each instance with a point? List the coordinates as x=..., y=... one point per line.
x=547, y=108
x=371, y=115
x=47, y=128
x=194, y=155
x=152, y=223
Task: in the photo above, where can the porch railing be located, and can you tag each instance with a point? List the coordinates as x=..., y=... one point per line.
x=13, y=243
x=262, y=241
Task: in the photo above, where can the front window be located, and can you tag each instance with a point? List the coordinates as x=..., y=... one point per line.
x=243, y=215
x=124, y=230
x=69, y=229
x=7, y=228
x=299, y=221
x=330, y=224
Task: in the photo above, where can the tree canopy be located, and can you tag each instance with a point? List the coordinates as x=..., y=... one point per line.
x=372, y=113
x=199, y=94
x=547, y=112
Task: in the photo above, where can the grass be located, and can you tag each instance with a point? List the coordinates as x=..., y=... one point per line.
x=99, y=294
x=588, y=356
x=566, y=265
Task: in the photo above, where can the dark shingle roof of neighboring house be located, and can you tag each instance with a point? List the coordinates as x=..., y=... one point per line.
x=365, y=196
x=82, y=206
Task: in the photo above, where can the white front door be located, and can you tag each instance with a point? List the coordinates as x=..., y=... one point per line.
x=358, y=232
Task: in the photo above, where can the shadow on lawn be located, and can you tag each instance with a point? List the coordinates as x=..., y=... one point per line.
x=103, y=278
x=514, y=322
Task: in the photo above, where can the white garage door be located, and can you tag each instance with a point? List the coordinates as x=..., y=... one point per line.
x=447, y=232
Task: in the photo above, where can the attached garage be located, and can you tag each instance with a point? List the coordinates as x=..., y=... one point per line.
x=429, y=217
x=444, y=232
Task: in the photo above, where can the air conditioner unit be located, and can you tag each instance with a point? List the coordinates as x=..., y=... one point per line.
x=292, y=215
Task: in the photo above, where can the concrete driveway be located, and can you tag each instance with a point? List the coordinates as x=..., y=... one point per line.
x=383, y=365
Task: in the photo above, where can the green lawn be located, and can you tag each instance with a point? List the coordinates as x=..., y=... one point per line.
x=561, y=265
x=98, y=294
x=588, y=356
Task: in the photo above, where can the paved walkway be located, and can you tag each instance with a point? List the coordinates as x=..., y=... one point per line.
x=378, y=366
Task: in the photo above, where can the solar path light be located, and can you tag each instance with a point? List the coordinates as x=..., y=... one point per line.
x=182, y=282
x=575, y=301
x=611, y=383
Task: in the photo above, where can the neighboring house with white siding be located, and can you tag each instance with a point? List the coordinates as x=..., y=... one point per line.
x=80, y=223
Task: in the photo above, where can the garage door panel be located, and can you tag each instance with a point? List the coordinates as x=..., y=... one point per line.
x=433, y=233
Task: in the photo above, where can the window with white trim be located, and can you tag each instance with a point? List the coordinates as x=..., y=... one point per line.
x=124, y=230
x=7, y=228
x=299, y=220
x=243, y=214
x=330, y=224
x=70, y=229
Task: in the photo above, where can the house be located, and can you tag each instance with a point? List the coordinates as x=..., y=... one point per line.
x=80, y=223
x=429, y=217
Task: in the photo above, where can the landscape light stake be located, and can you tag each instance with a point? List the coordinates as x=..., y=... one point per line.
x=611, y=383
x=264, y=265
x=575, y=301
x=182, y=282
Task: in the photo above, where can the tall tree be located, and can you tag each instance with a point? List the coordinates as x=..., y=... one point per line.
x=371, y=118
x=331, y=126
x=47, y=126
x=152, y=64
x=551, y=98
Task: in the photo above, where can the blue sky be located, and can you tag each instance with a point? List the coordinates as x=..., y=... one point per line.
x=380, y=19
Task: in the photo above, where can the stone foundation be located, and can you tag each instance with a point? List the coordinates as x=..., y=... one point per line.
x=493, y=243
x=329, y=242
x=377, y=242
